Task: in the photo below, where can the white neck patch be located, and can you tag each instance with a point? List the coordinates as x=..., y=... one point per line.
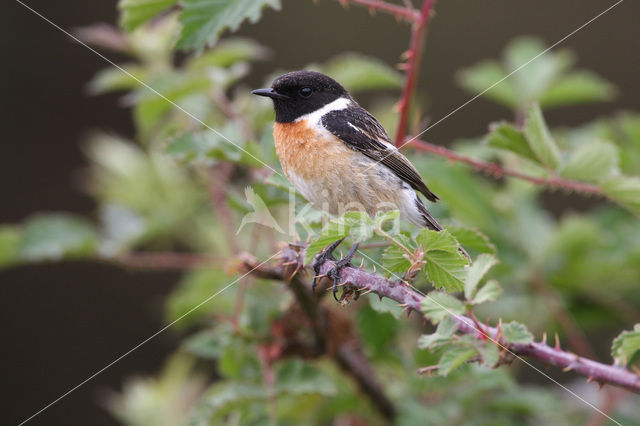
x=315, y=116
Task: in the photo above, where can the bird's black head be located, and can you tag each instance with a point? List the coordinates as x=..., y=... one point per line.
x=300, y=92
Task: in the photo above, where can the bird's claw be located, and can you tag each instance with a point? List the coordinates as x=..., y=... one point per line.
x=334, y=273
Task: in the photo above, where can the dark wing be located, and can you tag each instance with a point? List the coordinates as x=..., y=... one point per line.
x=361, y=132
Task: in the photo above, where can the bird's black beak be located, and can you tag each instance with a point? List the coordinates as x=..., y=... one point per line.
x=269, y=93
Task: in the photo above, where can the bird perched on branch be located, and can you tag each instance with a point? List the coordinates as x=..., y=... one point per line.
x=338, y=156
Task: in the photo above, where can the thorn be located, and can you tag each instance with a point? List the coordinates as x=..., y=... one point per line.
x=380, y=297
x=362, y=263
x=293, y=262
x=317, y=277
x=366, y=292
x=374, y=269
x=567, y=368
x=600, y=385
x=557, y=347
x=341, y=255
x=589, y=379
x=544, y=338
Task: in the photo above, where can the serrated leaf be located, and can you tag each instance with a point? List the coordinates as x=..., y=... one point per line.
x=470, y=238
x=625, y=190
x=626, y=346
x=385, y=305
x=436, y=240
x=578, y=87
x=454, y=357
x=507, y=137
x=540, y=140
x=442, y=335
x=57, y=236
x=445, y=269
x=592, y=162
x=10, y=237
x=204, y=20
x=514, y=332
x=488, y=352
x=480, y=77
x=487, y=293
x=359, y=73
x=134, y=13
x=476, y=272
x=438, y=305
x=393, y=257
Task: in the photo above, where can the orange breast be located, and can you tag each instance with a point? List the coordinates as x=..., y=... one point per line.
x=308, y=154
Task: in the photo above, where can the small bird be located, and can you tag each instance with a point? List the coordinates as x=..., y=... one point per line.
x=339, y=157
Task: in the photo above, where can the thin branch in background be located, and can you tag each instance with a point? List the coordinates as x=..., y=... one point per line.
x=218, y=194
x=406, y=296
x=497, y=171
x=412, y=66
x=406, y=13
x=166, y=260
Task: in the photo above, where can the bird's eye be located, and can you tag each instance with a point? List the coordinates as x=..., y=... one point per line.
x=305, y=92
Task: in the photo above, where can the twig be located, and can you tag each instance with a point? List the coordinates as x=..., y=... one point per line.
x=594, y=371
x=217, y=194
x=496, y=170
x=414, y=55
x=165, y=260
x=399, y=12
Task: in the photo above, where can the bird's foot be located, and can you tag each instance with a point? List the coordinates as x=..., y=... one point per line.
x=334, y=273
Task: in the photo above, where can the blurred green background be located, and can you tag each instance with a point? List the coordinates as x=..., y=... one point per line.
x=62, y=322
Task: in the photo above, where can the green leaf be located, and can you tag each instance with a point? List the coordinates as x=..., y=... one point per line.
x=385, y=305
x=442, y=335
x=626, y=346
x=578, y=87
x=488, y=352
x=10, y=237
x=477, y=271
x=437, y=240
x=57, y=236
x=480, y=77
x=134, y=13
x=540, y=139
x=438, y=305
x=453, y=358
x=296, y=377
x=514, y=332
x=228, y=52
x=445, y=269
x=359, y=73
x=204, y=20
x=208, y=344
x=507, y=137
x=534, y=71
x=223, y=397
x=357, y=223
x=625, y=190
x=487, y=293
x=113, y=79
x=393, y=257
x=377, y=326
x=470, y=238
x=592, y=162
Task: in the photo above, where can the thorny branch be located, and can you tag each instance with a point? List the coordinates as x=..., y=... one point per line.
x=401, y=293
x=496, y=170
x=414, y=56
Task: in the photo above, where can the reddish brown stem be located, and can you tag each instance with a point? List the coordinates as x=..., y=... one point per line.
x=399, y=12
x=414, y=55
x=496, y=170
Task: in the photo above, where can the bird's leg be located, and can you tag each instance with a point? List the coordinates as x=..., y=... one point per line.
x=324, y=255
x=334, y=273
